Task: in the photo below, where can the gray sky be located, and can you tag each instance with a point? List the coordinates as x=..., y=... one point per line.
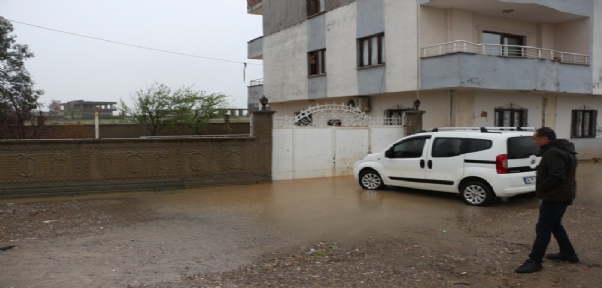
x=74, y=68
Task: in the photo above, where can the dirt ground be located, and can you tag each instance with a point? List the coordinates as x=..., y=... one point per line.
x=177, y=239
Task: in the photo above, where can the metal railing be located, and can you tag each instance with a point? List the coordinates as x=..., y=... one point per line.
x=514, y=51
x=198, y=136
x=256, y=82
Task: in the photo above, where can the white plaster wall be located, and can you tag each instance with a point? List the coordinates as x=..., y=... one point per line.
x=461, y=25
x=341, y=55
x=433, y=26
x=285, y=53
x=545, y=36
x=487, y=101
x=597, y=48
x=401, y=45
x=573, y=36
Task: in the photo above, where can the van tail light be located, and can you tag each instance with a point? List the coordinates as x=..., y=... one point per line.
x=501, y=164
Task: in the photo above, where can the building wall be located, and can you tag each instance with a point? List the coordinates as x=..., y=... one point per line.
x=285, y=59
x=341, y=59
x=572, y=36
x=45, y=167
x=401, y=45
x=597, y=48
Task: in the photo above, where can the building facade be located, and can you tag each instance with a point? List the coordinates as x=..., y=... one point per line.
x=470, y=62
x=86, y=109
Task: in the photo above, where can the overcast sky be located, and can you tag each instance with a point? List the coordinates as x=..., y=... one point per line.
x=69, y=68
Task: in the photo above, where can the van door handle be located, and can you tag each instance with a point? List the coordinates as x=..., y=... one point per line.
x=422, y=164
x=430, y=163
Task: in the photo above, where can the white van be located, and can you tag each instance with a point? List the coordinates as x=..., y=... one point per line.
x=479, y=163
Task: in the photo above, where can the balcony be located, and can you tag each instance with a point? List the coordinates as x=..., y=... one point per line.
x=462, y=64
x=255, y=91
x=255, y=7
x=255, y=48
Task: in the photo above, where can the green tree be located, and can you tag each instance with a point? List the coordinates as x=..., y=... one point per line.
x=197, y=108
x=17, y=94
x=150, y=107
x=158, y=106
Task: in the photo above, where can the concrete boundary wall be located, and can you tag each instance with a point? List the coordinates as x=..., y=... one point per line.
x=48, y=167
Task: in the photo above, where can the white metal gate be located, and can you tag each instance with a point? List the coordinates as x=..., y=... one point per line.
x=326, y=140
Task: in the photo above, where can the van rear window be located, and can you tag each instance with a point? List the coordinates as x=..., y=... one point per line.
x=522, y=147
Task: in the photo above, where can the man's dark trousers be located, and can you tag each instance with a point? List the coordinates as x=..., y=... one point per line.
x=550, y=222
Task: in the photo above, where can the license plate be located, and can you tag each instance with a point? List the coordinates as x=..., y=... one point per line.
x=529, y=180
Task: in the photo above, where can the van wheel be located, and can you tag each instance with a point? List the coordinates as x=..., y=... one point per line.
x=371, y=180
x=477, y=193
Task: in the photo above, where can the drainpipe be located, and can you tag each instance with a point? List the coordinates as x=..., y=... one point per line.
x=97, y=131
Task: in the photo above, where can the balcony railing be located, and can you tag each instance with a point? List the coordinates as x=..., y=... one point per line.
x=256, y=82
x=514, y=51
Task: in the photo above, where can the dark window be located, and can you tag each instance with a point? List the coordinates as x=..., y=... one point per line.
x=447, y=147
x=522, y=147
x=372, y=50
x=317, y=62
x=510, y=117
x=584, y=124
x=503, y=44
x=476, y=145
x=408, y=149
x=314, y=7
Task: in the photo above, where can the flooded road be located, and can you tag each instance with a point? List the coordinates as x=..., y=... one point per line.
x=153, y=237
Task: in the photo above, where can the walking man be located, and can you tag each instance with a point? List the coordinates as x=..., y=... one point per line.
x=556, y=186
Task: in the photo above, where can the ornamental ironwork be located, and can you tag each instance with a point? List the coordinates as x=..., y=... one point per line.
x=335, y=115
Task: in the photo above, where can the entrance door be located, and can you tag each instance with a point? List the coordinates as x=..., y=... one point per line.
x=405, y=162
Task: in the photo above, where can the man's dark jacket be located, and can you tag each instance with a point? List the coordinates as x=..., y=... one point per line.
x=556, y=172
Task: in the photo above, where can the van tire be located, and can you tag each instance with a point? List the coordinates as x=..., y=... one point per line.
x=371, y=180
x=477, y=193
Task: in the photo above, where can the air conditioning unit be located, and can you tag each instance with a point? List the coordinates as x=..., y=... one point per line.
x=363, y=103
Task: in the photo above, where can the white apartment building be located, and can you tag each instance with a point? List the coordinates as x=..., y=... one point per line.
x=469, y=62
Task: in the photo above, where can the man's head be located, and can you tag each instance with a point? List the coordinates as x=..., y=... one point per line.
x=543, y=136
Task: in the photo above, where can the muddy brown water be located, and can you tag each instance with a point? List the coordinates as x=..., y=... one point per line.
x=220, y=228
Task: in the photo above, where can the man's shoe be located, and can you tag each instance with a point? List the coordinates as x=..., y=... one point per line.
x=572, y=258
x=529, y=266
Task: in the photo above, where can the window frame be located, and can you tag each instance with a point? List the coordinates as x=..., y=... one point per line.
x=321, y=62
x=505, y=52
x=380, y=50
x=591, y=128
x=499, y=117
x=315, y=7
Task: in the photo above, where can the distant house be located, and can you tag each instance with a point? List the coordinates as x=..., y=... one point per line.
x=85, y=109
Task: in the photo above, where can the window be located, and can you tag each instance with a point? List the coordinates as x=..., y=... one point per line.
x=503, y=44
x=408, y=149
x=372, y=50
x=476, y=145
x=314, y=7
x=511, y=117
x=521, y=147
x=447, y=147
x=584, y=123
x=316, y=62
x=394, y=115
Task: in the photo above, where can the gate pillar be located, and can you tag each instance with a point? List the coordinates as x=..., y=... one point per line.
x=413, y=121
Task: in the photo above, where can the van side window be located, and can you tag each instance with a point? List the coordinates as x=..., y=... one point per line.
x=476, y=145
x=408, y=149
x=447, y=147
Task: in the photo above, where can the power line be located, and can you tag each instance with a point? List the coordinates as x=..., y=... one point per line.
x=132, y=45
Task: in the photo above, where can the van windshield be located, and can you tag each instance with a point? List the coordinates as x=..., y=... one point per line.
x=522, y=147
